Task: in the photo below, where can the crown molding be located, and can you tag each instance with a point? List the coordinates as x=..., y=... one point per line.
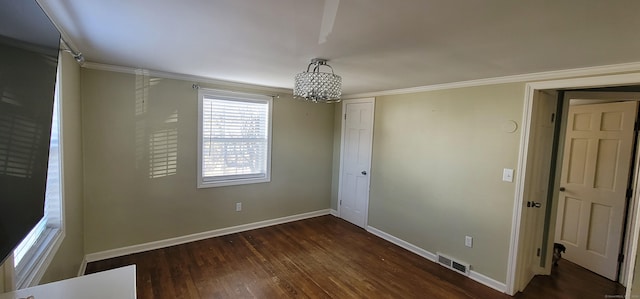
x=550, y=75
x=184, y=77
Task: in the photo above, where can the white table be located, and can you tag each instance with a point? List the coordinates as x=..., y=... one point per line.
x=112, y=284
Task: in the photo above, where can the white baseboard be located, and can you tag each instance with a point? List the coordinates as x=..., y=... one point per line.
x=83, y=267
x=402, y=243
x=483, y=279
x=488, y=281
x=96, y=256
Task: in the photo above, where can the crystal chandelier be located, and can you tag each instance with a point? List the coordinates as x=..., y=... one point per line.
x=316, y=86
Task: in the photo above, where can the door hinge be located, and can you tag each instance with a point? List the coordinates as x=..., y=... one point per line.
x=538, y=252
x=629, y=193
x=553, y=117
x=341, y=202
x=345, y=116
x=620, y=258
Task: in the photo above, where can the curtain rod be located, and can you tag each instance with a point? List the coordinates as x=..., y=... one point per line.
x=276, y=96
x=77, y=55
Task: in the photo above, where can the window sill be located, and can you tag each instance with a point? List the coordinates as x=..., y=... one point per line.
x=211, y=184
x=32, y=267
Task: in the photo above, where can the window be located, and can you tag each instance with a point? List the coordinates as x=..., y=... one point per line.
x=32, y=255
x=234, y=132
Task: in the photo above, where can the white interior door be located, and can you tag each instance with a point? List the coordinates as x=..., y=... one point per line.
x=357, y=137
x=594, y=178
x=538, y=172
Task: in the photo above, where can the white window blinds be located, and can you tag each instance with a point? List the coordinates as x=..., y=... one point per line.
x=235, y=136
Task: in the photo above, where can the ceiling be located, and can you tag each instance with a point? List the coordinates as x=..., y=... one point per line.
x=375, y=45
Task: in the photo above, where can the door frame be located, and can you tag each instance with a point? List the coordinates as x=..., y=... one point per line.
x=517, y=228
x=344, y=103
x=535, y=190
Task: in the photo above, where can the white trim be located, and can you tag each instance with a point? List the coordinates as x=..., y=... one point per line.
x=42, y=264
x=587, y=82
x=488, y=281
x=634, y=232
x=342, y=143
x=83, y=267
x=519, y=192
x=47, y=251
x=334, y=213
x=184, y=77
x=633, y=229
x=479, y=277
x=34, y=277
x=551, y=75
x=96, y=256
x=216, y=94
x=402, y=243
x=342, y=128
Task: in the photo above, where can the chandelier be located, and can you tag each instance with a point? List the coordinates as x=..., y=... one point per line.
x=316, y=86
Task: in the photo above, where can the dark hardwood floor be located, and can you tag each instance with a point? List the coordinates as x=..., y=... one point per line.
x=569, y=280
x=323, y=257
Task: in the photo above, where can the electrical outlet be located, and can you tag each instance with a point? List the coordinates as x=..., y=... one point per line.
x=238, y=206
x=468, y=241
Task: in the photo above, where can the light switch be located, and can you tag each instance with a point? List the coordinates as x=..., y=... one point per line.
x=507, y=175
x=468, y=241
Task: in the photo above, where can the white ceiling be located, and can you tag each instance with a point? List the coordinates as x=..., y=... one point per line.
x=375, y=45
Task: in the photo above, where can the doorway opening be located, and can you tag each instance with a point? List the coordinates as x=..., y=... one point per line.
x=596, y=172
x=528, y=257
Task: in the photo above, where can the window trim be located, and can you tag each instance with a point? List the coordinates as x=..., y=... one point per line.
x=203, y=182
x=35, y=262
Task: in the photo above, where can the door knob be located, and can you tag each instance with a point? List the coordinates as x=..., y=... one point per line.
x=364, y=172
x=533, y=204
x=562, y=189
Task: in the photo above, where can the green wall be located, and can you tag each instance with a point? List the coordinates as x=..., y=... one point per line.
x=436, y=173
x=125, y=206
